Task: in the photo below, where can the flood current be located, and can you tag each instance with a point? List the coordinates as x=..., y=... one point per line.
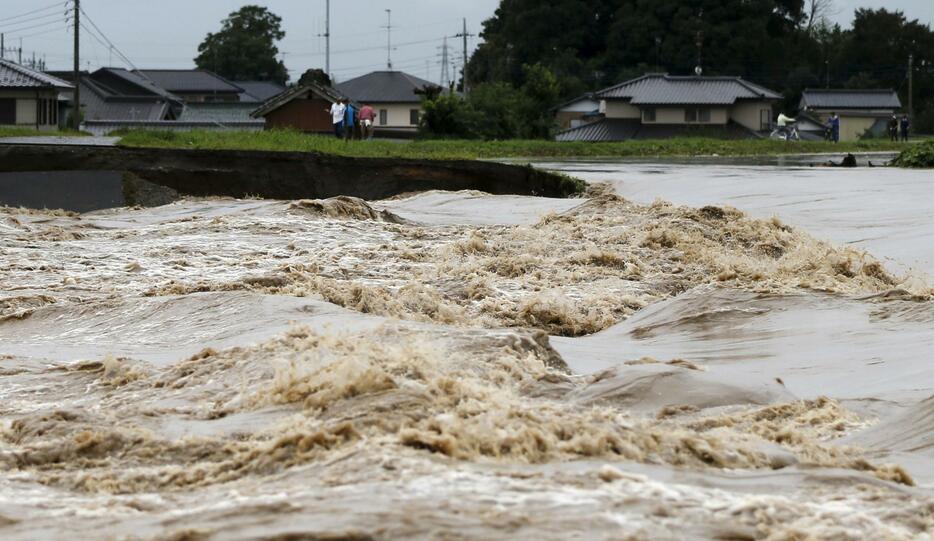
x=708, y=350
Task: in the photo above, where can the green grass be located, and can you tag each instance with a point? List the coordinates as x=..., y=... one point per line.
x=918, y=156
x=32, y=132
x=284, y=140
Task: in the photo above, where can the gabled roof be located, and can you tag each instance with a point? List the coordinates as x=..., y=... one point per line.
x=664, y=89
x=259, y=91
x=12, y=75
x=146, y=86
x=849, y=99
x=384, y=87
x=326, y=92
x=219, y=113
x=623, y=129
x=187, y=81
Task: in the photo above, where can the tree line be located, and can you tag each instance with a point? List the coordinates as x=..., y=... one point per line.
x=786, y=45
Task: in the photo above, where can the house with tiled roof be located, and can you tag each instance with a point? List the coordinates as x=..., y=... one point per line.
x=394, y=95
x=30, y=98
x=861, y=111
x=658, y=106
x=303, y=107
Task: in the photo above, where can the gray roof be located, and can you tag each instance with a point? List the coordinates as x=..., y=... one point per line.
x=326, y=92
x=12, y=75
x=384, y=87
x=190, y=81
x=663, y=89
x=220, y=113
x=144, y=82
x=101, y=103
x=259, y=91
x=621, y=129
x=849, y=99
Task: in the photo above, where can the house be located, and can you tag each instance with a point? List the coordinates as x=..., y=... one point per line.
x=861, y=112
x=259, y=91
x=394, y=95
x=658, y=106
x=30, y=98
x=194, y=85
x=580, y=110
x=304, y=107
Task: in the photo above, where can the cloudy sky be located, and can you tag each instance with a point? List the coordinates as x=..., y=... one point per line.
x=166, y=33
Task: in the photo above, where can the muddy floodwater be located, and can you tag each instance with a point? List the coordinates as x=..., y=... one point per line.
x=706, y=350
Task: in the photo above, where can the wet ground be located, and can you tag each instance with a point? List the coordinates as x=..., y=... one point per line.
x=467, y=366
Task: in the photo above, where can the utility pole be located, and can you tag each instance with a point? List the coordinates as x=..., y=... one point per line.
x=445, y=74
x=76, y=114
x=465, y=35
x=2, y=45
x=827, y=69
x=911, y=80
x=389, y=39
x=327, y=37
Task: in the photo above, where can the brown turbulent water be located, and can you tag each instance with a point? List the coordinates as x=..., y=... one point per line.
x=457, y=366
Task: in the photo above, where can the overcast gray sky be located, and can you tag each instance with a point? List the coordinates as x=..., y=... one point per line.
x=166, y=33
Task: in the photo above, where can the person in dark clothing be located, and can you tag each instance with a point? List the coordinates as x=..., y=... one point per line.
x=893, y=128
x=906, y=125
x=835, y=127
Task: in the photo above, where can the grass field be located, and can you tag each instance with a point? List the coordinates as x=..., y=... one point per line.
x=284, y=140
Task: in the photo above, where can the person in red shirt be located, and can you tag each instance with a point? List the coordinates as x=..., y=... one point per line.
x=367, y=117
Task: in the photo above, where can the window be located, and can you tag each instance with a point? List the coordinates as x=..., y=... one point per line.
x=7, y=111
x=53, y=112
x=648, y=114
x=40, y=111
x=697, y=114
x=413, y=117
x=765, y=119
x=383, y=117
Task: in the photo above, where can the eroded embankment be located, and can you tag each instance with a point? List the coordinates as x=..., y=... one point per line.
x=274, y=175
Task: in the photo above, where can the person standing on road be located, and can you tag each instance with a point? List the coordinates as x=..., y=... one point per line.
x=349, y=120
x=367, y=117
x=906, y=125
x=337, y=118
x=835, y=127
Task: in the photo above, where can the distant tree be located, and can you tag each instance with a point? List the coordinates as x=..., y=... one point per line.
x=317, y=76
x=245, y=47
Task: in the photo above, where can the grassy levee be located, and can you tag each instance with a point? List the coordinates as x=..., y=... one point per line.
x=920, y=156
x=32, y=132
x=285, y=140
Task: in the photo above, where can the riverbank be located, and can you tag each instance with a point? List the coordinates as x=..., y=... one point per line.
x=291, y=141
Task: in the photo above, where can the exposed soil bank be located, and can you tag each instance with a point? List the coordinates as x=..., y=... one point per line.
x=285, y=175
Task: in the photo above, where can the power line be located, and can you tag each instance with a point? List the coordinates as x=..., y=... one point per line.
x=40, y=25
x=31, y=19
x=46, y=8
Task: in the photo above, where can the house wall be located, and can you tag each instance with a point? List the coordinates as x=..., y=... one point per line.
x=565, y=119
x=675, y=115
x=308, y=114
x=209, y=97
x=747, y=113
x=853, y=124
x=621, y=109
x=26, y=107
x=398, y=115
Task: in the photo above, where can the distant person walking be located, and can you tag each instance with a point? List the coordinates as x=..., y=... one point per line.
x=337, y=118
x=367, y=117
x=893, y=128
x=906, y=125
x=350, y=113
x=834, y=127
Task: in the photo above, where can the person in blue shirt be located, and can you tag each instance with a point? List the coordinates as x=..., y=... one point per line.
x=905, y=125
x=349, y=121
x=835, y=127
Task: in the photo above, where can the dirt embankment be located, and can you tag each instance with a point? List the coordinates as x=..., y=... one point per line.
x=285, y=175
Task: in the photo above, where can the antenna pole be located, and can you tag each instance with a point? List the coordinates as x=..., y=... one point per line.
x=465, y=35
x=76, y=115
x=389, y=39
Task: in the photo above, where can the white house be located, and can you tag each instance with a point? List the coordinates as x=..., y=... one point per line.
x=30, y=98
x=392, y=94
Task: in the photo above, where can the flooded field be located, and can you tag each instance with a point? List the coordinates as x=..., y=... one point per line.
x=455, y=365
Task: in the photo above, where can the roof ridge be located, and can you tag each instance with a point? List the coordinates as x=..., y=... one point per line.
x=35, y=74
x=850, y=90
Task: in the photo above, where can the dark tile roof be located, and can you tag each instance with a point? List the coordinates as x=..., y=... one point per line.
x=139, y=84
x=663, y=89
x=328, y=93
x=12, y=75
x=259, y=91
x=384, y=87
x=101, y=102
x=219, y=113
x=190, y=81
x=849, y=99
x=621, y=129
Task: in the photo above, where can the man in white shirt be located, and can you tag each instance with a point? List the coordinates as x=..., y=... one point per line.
x=337, y=118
